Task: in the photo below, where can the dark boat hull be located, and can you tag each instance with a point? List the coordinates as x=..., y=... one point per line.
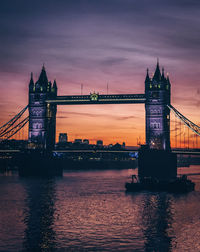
x=175, y=186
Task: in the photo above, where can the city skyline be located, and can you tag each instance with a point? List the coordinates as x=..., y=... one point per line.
x=96, y=44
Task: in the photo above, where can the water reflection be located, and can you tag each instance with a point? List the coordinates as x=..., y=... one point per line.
x=39, y=215
x=89, y=211
x=156, y=222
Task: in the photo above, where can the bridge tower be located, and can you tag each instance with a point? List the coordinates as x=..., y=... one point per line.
x=158, y=93
x=42, y=116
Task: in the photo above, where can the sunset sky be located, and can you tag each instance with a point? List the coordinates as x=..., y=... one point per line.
x=95, y=42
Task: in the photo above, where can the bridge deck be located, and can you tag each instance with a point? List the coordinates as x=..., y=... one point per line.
x=182, y=152
x=98, y=99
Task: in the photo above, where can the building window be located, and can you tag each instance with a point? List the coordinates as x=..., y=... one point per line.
x=37, y=97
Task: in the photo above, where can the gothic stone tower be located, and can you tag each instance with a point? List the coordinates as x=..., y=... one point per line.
x=42, y=116
x=157, y=92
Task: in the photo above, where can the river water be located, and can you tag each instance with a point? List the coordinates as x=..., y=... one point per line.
x=90, y=211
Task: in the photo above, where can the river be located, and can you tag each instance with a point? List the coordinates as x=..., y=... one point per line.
x=90, y=211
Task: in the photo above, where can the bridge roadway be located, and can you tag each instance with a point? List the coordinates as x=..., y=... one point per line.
x=183, y=151
x=95, y=98
x=177, y=151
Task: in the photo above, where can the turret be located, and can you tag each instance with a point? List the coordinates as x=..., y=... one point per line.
x=31, y=84
x=147, y=76
x=163, y=75
x=42, y=116
x=54, y=88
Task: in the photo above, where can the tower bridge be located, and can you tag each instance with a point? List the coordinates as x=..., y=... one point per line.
x=43, y=102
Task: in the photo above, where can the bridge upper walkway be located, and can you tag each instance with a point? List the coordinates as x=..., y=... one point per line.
x=95, y=98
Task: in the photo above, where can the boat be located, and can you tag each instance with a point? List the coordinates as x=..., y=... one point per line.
x=179, y=185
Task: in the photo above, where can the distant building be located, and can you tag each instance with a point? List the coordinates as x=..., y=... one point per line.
x=78, y=141
x=63, y=138
x=99, y=142
x=117, y=146
x=86, y=141
x=123, y=145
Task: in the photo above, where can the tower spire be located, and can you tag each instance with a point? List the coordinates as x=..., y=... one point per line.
x=157, y=74
x=163, y=75
x=43, y=77
x=147, y=79
x=31, y=83
x=54, y=87
x=168, y=81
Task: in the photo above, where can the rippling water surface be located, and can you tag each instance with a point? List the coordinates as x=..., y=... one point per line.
x=90, y=211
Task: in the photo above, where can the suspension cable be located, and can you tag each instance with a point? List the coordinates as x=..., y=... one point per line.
x=18, y=125
x=15, y=118
x=25, y=122
x=195, y=128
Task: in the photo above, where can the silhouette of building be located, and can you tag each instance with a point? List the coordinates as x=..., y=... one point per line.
x=99, y=143
x=63, y=138
x=78, y=141
x=157, y=91
x=86, y=141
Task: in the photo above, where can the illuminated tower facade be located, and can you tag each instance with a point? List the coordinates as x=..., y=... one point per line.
x=42, y=116
x=158, y=93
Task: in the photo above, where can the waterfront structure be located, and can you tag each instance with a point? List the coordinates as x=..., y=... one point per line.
x=43, y=101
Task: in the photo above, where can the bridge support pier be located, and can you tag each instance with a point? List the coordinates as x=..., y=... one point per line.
x=157, y=164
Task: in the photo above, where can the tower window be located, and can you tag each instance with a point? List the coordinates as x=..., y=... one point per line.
x=37, y=97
